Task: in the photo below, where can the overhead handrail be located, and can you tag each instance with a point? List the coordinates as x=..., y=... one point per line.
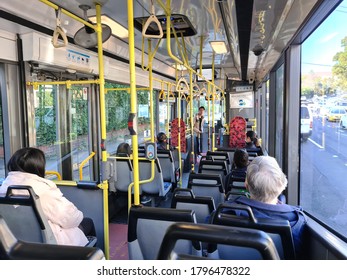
x=67, y=83
x=167, y=8
x=181, y=89
x=152, y=19
x=59, y=31
x=69, y=14
x=55, y=173
x=83, y=163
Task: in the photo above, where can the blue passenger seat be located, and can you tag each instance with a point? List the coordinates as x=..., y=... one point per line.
x=218, y=236
x=279, y=230
x=147, y=227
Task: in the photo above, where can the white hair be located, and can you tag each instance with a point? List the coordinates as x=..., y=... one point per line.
x=265, y=179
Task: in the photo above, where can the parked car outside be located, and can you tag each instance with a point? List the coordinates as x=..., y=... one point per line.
x=306, y=121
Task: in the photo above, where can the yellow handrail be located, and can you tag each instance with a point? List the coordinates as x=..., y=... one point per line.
x=67, y=83
x=133, y=100
x=83, y=163
x=56, y=173
x=140, y=182
x=71, y=15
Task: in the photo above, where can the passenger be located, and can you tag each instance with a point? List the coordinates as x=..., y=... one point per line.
x=27, y=167
x=198, y=129
x=124, y=150
x=265, y=181
x=162, y=142
x=251, y=140
x=240, y=163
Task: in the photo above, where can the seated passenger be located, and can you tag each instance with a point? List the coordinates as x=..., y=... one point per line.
x=124, y=149
x=162, y=142
x=240, y=163
x=265, y=181
x=251, y=140
x=27, y=167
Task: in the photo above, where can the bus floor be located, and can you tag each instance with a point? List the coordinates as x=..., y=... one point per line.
x=118, y=228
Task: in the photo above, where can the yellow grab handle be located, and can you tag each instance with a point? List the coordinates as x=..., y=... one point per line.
x=152, y=19
x=59, y=31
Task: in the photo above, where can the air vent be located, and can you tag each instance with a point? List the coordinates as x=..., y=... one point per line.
x=181, y=23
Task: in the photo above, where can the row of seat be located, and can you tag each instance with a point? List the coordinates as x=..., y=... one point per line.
x=158, y=233
x=24, y=227
x=166, y=174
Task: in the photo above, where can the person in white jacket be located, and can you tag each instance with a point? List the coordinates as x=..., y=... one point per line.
x=27, y=167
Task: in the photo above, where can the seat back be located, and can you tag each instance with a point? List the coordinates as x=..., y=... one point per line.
x=218, y=235
x=157, y=186
x=13, y=249
x=207, y=185
x=122, y=174
x=220, y=156
x=21, y=209
x=167, y=164
x=213, y=167
x=279, y=230
x=235, y=183
x=203, y=206
x=147, y=227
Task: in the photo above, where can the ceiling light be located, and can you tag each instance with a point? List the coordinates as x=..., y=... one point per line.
x=219, y=47
x=117, y=29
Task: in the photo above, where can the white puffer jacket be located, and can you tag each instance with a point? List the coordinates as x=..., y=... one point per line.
x=62, y=215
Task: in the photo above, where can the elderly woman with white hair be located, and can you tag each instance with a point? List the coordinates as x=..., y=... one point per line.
x=265, y=181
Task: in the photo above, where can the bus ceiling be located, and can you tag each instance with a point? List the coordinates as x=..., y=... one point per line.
x=254, y=39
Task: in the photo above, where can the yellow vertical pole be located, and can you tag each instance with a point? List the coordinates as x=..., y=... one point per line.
x=213, y=100
x=168, y=111
x=103, y=125
x=191, y=117
x=209, y=116
x=150, y=75
x=133, y=101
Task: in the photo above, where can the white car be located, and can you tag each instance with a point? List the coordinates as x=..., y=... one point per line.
x=306, y=122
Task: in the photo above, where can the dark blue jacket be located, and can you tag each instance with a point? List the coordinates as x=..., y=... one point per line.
x=293, y=214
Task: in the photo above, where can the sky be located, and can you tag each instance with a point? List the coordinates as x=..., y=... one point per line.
x=319, y=49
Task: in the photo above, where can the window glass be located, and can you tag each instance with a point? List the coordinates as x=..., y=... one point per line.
x=267, y=115
x=279, y=113
x=79, y=136
x=46, y=125
x=62, y=130
x=323, y=158
x=117, y=113
x=2, y=156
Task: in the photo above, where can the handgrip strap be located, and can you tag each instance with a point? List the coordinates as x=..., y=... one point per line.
x=59, y=31
x=152, y=19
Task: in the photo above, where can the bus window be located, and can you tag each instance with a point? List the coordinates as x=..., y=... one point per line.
x=323, y=158
x=279, y=113
x=45, y=124
x=2, y=156
x=117, y=112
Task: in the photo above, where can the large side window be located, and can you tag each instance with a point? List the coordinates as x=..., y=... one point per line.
x=323, y=122
x=62, y=120
x=2, y=156
x=279, y=113
x=117, y=113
